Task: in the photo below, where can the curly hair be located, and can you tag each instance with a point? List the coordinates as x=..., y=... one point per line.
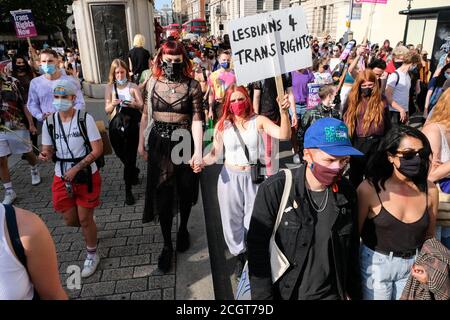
x=373, y=115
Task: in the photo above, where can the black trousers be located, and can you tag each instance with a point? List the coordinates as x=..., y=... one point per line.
x=125, y=147
x=367, y=145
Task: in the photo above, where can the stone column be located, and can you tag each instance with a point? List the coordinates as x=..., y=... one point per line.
x=105, y=31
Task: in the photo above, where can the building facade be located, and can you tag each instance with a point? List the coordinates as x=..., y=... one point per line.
x=197, y=9
x=328, y=17
x=180, y=11
x=223, y=11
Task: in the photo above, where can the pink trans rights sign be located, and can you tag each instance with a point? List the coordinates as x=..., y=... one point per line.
x=24, y=23
x=371, y=1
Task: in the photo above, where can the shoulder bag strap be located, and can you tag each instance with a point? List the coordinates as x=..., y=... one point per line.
x=13, y=230
x=284, y=199
x=243, y=145
x=64, y=135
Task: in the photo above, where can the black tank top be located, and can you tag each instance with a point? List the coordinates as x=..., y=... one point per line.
x=386, y=233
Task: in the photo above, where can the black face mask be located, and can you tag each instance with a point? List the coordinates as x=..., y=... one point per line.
x=366, y=92
x=21, y=68
x=410, y=168
x=398, y=64
x=173, y=71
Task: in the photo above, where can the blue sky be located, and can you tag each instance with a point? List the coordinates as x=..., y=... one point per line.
x=160, y=3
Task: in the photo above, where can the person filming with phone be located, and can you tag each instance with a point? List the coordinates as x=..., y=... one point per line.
x=123, y=102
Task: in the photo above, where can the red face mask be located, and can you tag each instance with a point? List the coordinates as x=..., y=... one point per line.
x=238, y=107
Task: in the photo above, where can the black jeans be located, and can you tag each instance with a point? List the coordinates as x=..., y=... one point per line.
x=367, y=145
x=125, y=147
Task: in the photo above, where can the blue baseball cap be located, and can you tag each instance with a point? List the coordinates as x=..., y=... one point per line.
x=331, y=136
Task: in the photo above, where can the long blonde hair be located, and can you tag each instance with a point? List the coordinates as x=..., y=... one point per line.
x=117, y=63
x=441, y=111
x=375, y=106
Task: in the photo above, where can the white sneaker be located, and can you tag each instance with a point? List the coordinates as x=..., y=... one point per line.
x=90, y=265
x=296, y=158
x=10, y=196
x=35, y=177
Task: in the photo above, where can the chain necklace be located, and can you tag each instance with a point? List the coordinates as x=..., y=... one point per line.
x=171, y=89
x=323, y=203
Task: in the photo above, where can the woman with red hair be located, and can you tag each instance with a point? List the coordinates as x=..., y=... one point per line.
x=367, y=119
x=174, y=103
x=235, y=188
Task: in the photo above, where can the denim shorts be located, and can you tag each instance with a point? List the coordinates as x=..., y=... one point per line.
x=383, y=276
x=300, y=110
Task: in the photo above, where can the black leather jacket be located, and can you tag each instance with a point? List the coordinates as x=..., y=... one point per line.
x=294, y=238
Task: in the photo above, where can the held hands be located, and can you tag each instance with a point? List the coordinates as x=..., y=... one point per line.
x=197, y=163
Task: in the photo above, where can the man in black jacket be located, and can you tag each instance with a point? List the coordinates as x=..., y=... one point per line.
x=318, y=232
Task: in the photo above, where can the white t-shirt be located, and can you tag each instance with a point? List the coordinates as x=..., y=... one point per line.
x=401, y=91
x=74, y=138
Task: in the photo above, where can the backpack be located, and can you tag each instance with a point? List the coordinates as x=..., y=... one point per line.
x=81, y=121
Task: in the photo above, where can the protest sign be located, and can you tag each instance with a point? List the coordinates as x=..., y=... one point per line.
x=59, y=50
x=24, y=23
x=313, y=95
x=269, y=44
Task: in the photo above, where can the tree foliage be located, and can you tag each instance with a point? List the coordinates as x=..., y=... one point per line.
x=49, y=15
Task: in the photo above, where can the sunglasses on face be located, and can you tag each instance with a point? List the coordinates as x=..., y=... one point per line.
x=410, y=154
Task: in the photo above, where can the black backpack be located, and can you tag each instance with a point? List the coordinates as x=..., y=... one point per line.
x=81, y=121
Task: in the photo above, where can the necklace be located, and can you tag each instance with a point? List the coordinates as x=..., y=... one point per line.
x=323, y=203
x=171, y=89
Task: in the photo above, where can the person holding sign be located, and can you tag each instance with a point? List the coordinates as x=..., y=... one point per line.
x=265, y=104
x=238, y=131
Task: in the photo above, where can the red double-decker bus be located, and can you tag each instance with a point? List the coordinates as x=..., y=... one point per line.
x=197, y=26
x=174, y=27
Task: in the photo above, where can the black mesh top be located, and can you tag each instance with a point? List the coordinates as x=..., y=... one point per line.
x=172, y=102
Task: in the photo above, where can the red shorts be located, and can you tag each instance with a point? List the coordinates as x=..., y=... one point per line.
x=81, y=197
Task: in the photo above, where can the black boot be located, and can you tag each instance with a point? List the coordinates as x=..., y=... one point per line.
x=165, y=259
x=129, y=198
x=183, y=240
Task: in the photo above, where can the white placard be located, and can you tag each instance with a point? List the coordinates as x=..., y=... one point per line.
x=270, y=44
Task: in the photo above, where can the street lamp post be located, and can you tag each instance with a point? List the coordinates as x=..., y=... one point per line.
x=407, y=22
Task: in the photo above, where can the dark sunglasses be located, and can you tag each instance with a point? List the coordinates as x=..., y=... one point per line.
x=410, y=154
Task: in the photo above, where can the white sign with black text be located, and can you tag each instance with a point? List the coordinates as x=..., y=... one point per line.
x=270, y=44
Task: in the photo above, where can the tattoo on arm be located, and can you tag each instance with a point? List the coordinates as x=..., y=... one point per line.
x=85, y=162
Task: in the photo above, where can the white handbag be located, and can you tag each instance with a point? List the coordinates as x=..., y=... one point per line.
x=278, y=261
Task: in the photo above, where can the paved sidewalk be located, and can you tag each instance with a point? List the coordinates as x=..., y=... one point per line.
x=128, y=249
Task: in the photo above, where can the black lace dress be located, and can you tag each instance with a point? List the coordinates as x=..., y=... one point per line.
x=171, y=183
